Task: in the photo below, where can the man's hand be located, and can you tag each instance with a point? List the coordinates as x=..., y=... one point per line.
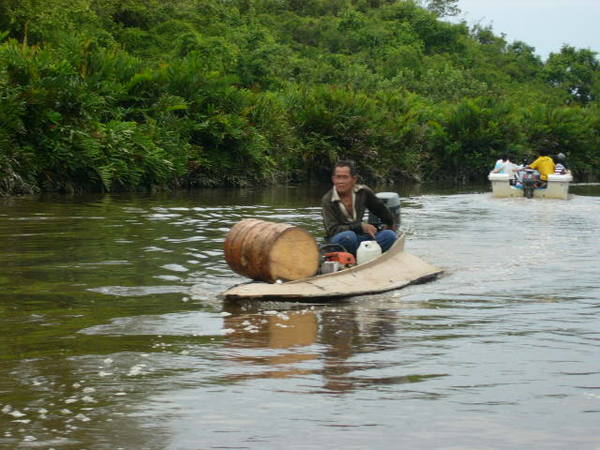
x=393, y=228
x=369, y=229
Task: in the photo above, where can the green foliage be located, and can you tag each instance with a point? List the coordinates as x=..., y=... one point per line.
x=443, y=7
x=575, y=71
x=124, y=95
x=571, y=130
x=471, y=133
x=333, y=123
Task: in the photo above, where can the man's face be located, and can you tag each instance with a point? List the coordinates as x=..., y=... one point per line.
x=342, y=180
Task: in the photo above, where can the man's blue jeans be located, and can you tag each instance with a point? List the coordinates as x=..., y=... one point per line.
x=350, y=240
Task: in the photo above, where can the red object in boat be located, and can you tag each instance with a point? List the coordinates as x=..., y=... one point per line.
x=344, y=258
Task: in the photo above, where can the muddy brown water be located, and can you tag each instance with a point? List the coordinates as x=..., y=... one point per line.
x=103, y=344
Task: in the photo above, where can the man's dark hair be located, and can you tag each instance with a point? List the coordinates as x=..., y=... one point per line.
x=504, y=157
x=544, y=152
x=346, y=163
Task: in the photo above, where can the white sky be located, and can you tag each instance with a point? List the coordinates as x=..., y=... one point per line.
x=543, y=24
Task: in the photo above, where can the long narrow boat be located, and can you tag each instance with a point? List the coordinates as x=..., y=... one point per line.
x=392, y=270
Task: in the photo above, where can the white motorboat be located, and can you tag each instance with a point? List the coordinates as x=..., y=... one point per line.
x=557, y=186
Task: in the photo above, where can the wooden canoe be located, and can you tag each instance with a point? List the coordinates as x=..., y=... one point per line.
x=392, y=270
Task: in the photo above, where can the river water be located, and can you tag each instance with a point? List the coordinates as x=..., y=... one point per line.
x=104, y=345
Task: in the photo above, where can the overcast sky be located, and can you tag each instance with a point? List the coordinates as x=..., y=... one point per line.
x=543, y=24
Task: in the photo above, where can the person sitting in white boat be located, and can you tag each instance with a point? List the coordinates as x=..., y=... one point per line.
x=343, y=208
x=560, y=164
x=544, y=165
x=505, y=165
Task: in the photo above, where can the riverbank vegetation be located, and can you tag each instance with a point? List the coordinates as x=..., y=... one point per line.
x=106, y=95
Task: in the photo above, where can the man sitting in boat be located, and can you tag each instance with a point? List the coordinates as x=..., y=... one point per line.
x=505, y=165
x=343, y=208
x=544, y=165
x=560, y=164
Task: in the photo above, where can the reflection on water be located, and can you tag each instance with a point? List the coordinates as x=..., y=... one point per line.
x=105, y=346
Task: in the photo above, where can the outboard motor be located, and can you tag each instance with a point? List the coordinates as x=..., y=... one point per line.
x=392, y=201
x=530, y=180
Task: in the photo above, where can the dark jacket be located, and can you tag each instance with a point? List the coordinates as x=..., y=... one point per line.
x=335, y=221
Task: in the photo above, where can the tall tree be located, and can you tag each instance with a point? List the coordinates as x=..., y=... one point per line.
x=442, y=8
x=575, y=70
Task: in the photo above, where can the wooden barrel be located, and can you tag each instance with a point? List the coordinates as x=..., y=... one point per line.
x=269, y=251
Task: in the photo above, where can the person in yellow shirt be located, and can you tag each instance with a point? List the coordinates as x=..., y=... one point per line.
x=544, y=165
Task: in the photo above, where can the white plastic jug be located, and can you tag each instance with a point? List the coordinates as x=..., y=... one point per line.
x=367, y=251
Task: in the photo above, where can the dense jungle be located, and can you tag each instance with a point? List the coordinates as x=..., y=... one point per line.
x=144, y=95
